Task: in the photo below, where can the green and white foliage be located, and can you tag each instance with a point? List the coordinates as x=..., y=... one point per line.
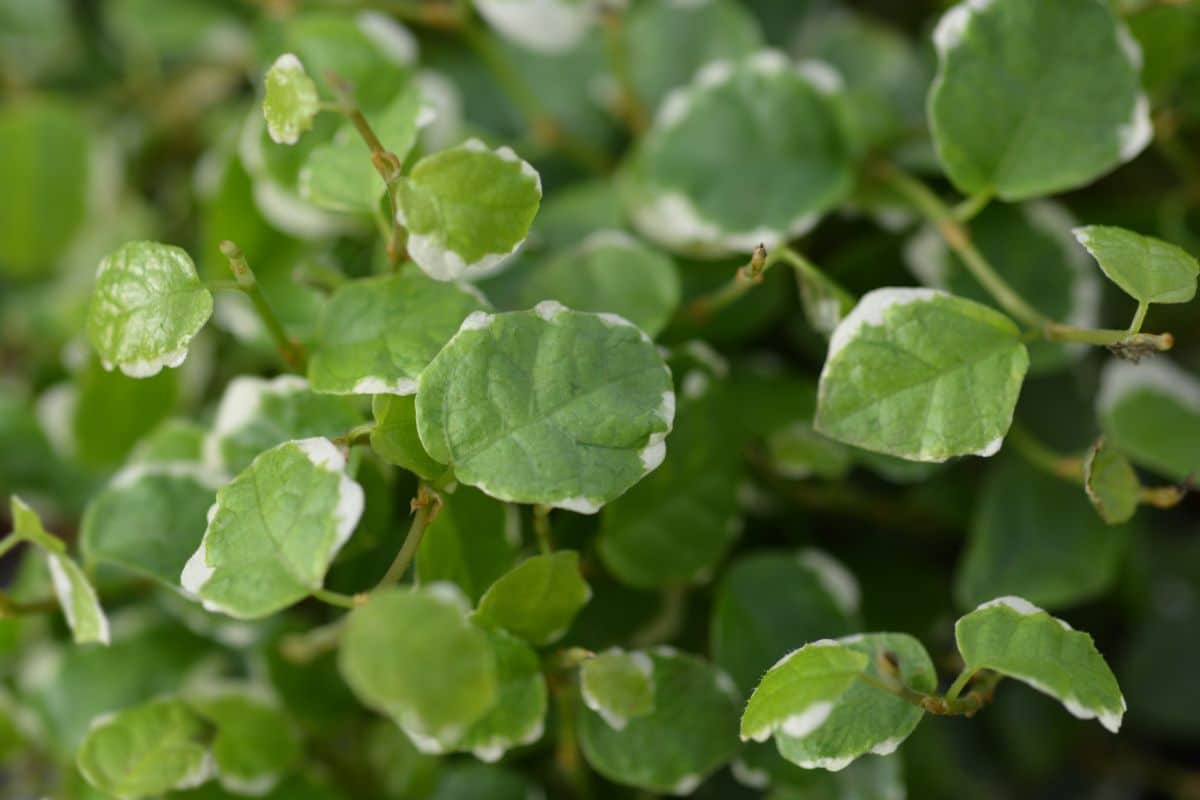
x=1151, y=413
x=1017, y=639
x=618, y=685
x=922, y=375
x=1111, y=484
x=274, y=530
x=148, y=304
x=394, y=437
x=377, y=334
x=550, y=406
x=254, y=743
x=518, y=716
x=546, y=26
x=290, y=100
x=688, y=735
x=537, y=599
x=467, y=209
x=1149, y=270
x=792, y=162
x=1035, y=98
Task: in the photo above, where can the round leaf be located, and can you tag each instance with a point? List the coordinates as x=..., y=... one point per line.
x=618, y=686
x=1149, y=270
x=797, y=695
x=255, y=742
x=1151, y=413
x=1111, y=484
x=290, y=100
x=538, y=598
x=519, y=715
x=471, y=542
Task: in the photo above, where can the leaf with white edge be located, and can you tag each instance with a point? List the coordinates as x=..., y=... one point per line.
x=548, y=406
x=519, y=715
x=256, y=414
x=688, y=191
x=149, y=519
x=255, y=744
x=377, y=334
x=290, y=100
x=146, y=750
x=866, y=719
x=471, y=542
x=412, y=654
x=922, y=375
x=537, y=599
x=797, y=695
x=148, y=304
x=1149, y=270
x=1034, y=98
x=394, y=437
x=1017, y=639
x=1111, y=483
x=467, y=209
x=617, y=685
x=610, y=271
x=545, y=26
x=1151, y=413
x=688, y=735
x=274, y=530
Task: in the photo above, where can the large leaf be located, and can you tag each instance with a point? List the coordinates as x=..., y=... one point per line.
x=537, y=599
x=1148, y=269
x=547, y=406
x=797, y=695
x=1151, y=412
x=922, y=375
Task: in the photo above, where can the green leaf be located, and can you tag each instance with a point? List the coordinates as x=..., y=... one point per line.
x=1111, y=484
x=1034, y=98
x=129, y=407
x=1038, y=538
x=545, y=26
x=471, y=542
x=377, y=334
x=798, y=452
x=146, y=750
x=467, y=209
x=519, y=715
x=274, y=530
x=1017, y=639
x=750, y=153
x=148, y=304
x=149, y=519
x=538, y=598
x=688, y=735
x=394, y=437
x=617, y=685
x=256, y=414
x=798, y=694
x=921, y=375
x=413, y=655
x=1149, y=270
x=361, y=48
x=1151, y=413
x=255, y=742
x=547, y=406
x=175, y=439
x=866, y=719
x=467, y=781
x=290, y=100
x=610, y=271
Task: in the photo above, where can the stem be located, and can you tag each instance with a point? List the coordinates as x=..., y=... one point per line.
x=1069, y=468
x=16, y=608
x=1139, y=317
x=303, y=648
x=968, y=209
x=747, y=277
x=541, y=527
x=566, y=747
x=337, y=598
x=425, y=506
x=9, y=542
x=960, y=683
x=629, y=107
x=291, y=351
x=359, y=434
x=1162, y=496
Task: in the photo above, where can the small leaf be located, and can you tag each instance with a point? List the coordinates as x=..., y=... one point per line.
x=519, y=715
x=290, y=100
x=1151, y=413
x=617, y=685
x=921, y=375
x=547, y=406
x=800, y=691
x=377, y=334
x=1111, y=484
x=146, y=750
x=394, y=437
x=274, y=530
x=148, y=304
x=255, y=742
x=545, y=26
x=471, y=542
x=412, y=654
x=538, y=598
x=798, y=452
x=467, y=209
x=1017, y=639
x=1149, y=270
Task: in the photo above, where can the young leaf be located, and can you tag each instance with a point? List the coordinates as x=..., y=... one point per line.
x=255, y=742
x=1148, y=269
x=1017, y=639
x=866, y=719
x=1033, y=98
x=413, y=655
x=789, y=162
x=467, y=209
x=687, y=736
x=1151, y=413
x=377, y=334
x=290, y=100
x=538, y=598
x=547, y=406
x=274, y=530
x=146, y=750
x=546, y=26
x=148, y=304
x=471, y=542
x=921, y=375
x=1111, y=484
x=394, y=437
x=797, y=695
x=617, y=685
x=519, y=715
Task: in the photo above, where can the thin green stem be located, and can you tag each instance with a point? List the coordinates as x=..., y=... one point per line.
x=16, y=608
x=290, y=350
x=336, y=598
x=9, y=542
x=223, y=286
x=701, y=309
x=629, y=107
x=425, y=508
x=541, y=528
x=1036, y=452
x=1139, y=317
x=567, y=755
x=359, y=434
x=960, y=683
x=968, y=209
x=306, y=646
